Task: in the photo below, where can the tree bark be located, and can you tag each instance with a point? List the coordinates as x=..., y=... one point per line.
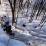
x=13, y=10
x=0, y=1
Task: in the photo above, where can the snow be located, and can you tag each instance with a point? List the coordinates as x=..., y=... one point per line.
x=1, y=44
x=15, y=43
x=42, y=45
x=5, y=38
x=36, y=35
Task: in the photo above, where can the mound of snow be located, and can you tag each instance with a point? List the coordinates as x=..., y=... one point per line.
x=15, y=43
x=5, y=38
x=1, y=44
x=42, y=45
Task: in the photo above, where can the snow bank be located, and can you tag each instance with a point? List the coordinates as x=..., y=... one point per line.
x=5, y=38
x=16, y=43
x=1, y=44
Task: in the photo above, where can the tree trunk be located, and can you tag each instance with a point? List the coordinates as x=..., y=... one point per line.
x=0, y=1
x=13, y=10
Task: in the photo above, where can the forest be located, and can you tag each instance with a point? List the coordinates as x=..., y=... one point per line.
x=24, y=20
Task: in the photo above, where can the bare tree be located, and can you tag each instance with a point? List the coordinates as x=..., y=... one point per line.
x=0, y=1
x=38, y=9
x=12, y=5
x=41, y=8
x=20, y=4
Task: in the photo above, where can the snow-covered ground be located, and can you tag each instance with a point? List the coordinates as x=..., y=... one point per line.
x=5, y=40
x=36, y=37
